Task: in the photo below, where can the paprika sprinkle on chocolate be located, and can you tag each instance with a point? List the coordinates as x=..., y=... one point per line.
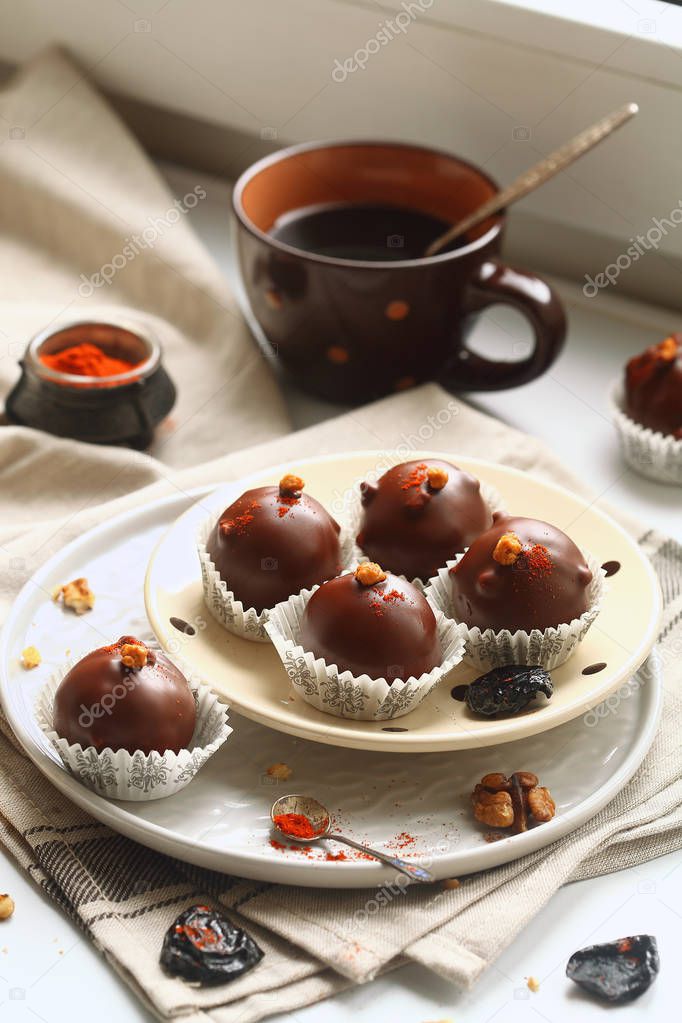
x=538, y=561
x=239, y=523
x=415, y=477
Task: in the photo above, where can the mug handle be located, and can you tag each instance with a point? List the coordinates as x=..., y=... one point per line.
x=494, y=283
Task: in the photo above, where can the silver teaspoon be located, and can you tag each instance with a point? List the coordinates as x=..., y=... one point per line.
x=320, y=820
x=538, y=174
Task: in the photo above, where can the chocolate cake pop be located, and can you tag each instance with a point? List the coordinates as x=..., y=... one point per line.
x=520, y=574
x=125, y=696
x=374, y=623
x=653, y=387
x=273, y=542
x=419, y=515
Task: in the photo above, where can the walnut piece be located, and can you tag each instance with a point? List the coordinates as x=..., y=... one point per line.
x=527, y=780
x=541, y=804
x=368, y=573
x=290, y=485
x=493, y=808
x=6, y=907
x=30, y=658
x=507, y=549
x=75, y=595
x=502, y=802
x=496, y=782
x=437, y=477
x=282, y=772
x=451, y=883
x=134, y=655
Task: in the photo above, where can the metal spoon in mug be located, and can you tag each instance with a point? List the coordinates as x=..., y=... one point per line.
x=319, y=818
x=537, y=174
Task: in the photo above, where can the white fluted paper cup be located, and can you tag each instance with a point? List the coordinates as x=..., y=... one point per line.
x=342, y=693
x=354, y=521
x=137, y=777
x=227, y=610
x=486, y=648
x=651, y=454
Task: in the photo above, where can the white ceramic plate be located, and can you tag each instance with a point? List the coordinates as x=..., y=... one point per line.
x=250, y=675
x=221, y=820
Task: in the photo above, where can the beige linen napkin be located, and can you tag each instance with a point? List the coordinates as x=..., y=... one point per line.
x=127, y=896
x=79, y=198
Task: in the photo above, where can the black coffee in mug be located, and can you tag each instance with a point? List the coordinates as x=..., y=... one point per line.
x=359, y=231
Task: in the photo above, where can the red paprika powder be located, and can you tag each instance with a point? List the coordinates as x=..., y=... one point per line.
x=295, y=824
x=86, y=360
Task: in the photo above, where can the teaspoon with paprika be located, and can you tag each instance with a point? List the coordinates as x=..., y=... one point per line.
x=303, y=819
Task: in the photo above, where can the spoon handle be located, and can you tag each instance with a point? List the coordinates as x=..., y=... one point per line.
x=411, y=870
x=538, y=174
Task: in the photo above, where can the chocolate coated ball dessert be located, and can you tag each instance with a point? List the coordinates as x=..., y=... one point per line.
x=653, y=387
x=273, y=542
x=372, y=623
x=125, y=696
x=520, y=574
x=419, y=515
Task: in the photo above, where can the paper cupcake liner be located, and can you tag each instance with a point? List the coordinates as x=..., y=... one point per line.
x=137, y=777
x=221, y=601
x=342, y=693
x=651, y=454
x=487, y=648
x=354, y=519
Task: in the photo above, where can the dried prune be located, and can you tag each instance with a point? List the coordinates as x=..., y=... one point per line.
x=617, y=971
x=204, y=947
x=508, y=689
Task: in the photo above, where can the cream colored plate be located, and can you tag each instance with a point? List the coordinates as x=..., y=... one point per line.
x=252, y=679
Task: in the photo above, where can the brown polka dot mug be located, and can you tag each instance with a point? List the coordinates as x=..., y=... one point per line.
x=330, y=239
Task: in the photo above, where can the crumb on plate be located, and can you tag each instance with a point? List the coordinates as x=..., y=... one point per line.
x=30, y=658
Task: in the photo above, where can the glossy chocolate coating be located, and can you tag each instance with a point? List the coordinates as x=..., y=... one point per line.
x=413, y=529
x=386, y=630
x=275, y=546
x=102, y=703
x=653, y=387
x=545, y=587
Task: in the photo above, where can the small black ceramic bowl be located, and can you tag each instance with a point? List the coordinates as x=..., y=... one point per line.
x=120, y=409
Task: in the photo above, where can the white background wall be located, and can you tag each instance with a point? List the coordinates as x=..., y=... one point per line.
x=466, y=76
